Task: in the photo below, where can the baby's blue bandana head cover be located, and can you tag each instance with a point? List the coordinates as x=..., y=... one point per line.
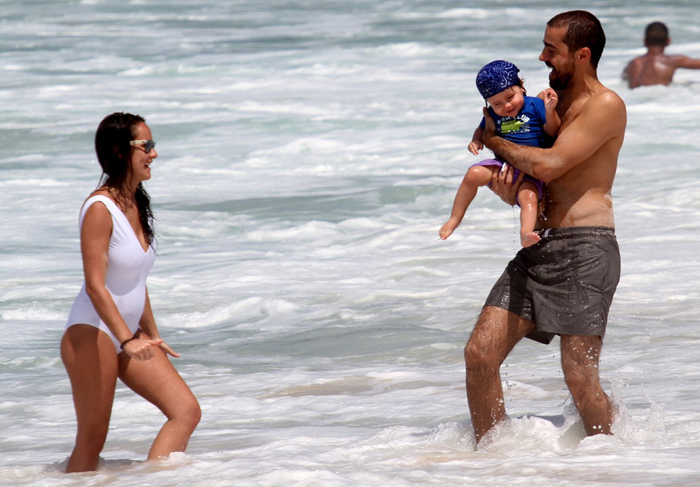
x=495, y=77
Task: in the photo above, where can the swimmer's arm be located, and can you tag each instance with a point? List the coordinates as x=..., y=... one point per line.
x=95, y=233
x=686, y=62
x=631, y=74
x=626, y=72
x=604, y=117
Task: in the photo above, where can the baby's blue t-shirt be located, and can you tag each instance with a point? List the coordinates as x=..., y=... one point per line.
x=527, y=128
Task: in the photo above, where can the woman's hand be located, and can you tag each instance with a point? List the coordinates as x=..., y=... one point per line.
x=164, y=347
x=142, y=348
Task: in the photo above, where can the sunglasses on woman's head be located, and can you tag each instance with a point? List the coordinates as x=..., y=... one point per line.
x=148, y=145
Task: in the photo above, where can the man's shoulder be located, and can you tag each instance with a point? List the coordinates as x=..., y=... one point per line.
x=606, y=108
x=601, y=108
x=606, y=96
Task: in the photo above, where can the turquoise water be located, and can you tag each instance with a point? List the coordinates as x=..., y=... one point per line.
x=308, y=153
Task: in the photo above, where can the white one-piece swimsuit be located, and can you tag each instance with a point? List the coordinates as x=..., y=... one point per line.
x=128, y=266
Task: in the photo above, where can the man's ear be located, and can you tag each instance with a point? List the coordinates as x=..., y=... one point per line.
x=583, y=54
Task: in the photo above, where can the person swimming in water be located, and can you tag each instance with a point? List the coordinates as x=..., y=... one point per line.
x=655, y=67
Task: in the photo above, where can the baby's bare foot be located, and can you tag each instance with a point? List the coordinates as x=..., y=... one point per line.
x=447, y=229
x=529, y=239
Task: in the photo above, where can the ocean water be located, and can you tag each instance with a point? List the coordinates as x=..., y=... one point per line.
x=309, y=151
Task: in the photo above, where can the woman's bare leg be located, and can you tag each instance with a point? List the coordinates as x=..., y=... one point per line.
x=91, y=362
x=158, y=382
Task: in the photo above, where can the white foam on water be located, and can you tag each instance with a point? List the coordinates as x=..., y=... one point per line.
x=308, y=155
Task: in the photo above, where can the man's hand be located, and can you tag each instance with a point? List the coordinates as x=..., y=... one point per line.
x=503, y=185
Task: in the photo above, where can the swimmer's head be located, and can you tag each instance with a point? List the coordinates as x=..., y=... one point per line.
x=656, y=34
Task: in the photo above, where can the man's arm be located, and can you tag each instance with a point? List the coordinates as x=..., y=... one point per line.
x=602, y=118
x=686, y=62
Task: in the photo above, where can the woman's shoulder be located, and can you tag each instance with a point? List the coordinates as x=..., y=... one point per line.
x=99, y=195
x=100, y=192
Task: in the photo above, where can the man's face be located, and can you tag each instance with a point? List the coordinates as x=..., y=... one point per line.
x=556, y=56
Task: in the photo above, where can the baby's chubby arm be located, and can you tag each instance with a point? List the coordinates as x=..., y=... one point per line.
x=476, y=144
x=550, y=98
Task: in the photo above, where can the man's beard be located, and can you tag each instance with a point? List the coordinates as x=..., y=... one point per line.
x=562, y=77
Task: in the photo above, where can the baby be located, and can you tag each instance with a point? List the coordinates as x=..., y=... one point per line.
x=524, y=120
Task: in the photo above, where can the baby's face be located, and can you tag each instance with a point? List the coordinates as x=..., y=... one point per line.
x=508, y=102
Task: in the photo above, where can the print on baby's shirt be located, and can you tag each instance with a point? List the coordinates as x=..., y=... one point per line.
x=517, y=125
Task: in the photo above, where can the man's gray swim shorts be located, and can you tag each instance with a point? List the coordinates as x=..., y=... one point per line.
x=564, y=284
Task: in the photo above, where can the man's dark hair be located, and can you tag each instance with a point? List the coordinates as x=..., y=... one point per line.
x=583, y=29
x=656, y=34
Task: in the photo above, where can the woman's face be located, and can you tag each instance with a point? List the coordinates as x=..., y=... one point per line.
x=140, y=159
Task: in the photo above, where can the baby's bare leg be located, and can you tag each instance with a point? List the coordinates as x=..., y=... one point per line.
x=476, y=176
x=528, y=201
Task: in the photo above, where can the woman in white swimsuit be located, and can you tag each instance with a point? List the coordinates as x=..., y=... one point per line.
x=111, y=331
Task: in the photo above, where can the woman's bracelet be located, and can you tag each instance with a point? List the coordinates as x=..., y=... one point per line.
x=121, y=345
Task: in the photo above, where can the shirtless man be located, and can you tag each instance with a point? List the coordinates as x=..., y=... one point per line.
x=655, y=67
x=564, y=284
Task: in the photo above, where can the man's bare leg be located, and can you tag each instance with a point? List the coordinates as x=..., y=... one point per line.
x=579, y=359
x=494, y=336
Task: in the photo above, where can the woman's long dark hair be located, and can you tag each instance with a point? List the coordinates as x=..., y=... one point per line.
x=112, y=144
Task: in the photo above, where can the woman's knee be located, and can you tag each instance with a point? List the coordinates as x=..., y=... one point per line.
x=189, y=413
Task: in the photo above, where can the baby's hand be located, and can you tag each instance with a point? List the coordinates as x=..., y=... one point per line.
x=475, y=146
x=550, y=98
